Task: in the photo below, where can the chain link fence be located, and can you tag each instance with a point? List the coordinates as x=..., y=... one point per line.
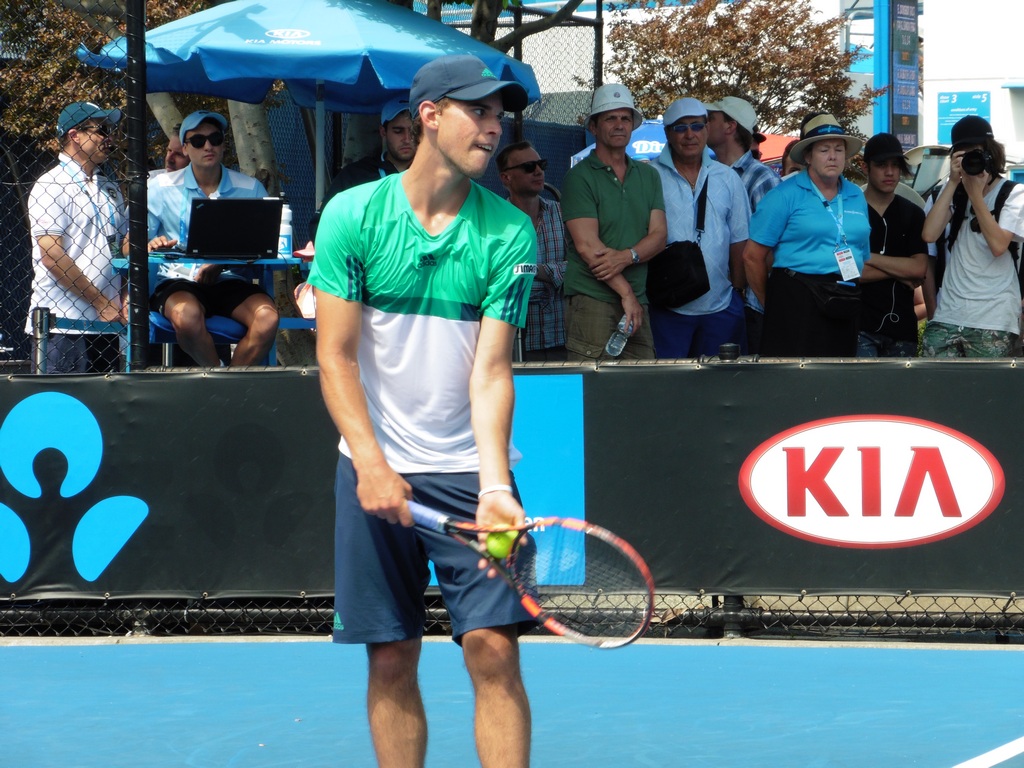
x=62, y=192
x=566, y=60
x=822, y=617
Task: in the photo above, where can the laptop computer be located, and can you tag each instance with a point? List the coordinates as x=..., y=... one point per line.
x=245, y=229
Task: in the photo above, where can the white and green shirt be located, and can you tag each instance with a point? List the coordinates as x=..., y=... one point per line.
x=423, y=298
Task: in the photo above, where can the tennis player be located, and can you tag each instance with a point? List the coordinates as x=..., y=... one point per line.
x=421, y=280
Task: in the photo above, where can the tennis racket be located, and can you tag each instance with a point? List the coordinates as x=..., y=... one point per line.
x=578, y=580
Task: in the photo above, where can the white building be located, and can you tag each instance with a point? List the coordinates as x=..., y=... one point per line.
x=973, y=65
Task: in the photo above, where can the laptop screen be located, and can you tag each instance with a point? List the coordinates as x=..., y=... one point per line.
x=234, y=228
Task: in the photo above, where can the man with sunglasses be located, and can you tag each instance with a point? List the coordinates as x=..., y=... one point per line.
x=688, y=174
x=522, y=174
x=187, y=295
x=79, y=222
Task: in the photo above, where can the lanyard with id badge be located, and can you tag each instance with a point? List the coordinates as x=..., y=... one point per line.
x=843, y=253
x=837, y=299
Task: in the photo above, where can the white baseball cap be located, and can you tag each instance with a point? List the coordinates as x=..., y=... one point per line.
x=737, y=109
x=681, y=108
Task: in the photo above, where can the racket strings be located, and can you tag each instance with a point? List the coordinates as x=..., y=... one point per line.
x=590, y=585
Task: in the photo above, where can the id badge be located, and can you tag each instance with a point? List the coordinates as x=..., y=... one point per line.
x=847, y=264
x=112, y=246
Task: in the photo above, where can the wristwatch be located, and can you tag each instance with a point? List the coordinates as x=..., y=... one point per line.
x=635, y=255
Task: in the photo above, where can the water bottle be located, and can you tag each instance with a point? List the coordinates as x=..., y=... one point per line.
x=284, y=239
x=617, y=341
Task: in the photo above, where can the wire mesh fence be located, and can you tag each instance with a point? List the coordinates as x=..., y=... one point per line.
x=566, y=60
x=65, y=173
x=62, y=182
x=676, y=616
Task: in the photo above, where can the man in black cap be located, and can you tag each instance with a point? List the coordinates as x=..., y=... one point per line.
x=978, y=308
x=421, y=281
x=899, y=257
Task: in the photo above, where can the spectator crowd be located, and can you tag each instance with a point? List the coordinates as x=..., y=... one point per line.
x=703, y=246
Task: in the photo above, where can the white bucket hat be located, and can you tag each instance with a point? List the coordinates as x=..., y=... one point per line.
x=614, y=96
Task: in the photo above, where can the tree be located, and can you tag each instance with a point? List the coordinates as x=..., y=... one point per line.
x=776, y=54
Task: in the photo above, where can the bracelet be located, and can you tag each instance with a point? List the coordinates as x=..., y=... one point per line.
x=493, y=489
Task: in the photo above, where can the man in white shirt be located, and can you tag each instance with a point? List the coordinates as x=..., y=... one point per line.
x=702, y=325
x=78, y=223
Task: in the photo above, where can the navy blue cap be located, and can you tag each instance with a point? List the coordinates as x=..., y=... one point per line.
x=464, y=78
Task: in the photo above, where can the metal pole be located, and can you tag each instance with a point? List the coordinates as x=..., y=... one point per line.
x=321, y=133
x=138, y=236
x=40, y=338
x=517, y=52
x=883, y=65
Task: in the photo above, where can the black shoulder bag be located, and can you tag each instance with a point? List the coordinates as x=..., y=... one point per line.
x=677, y=275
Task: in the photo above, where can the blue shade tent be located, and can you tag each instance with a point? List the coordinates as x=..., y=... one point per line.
x=342, y=55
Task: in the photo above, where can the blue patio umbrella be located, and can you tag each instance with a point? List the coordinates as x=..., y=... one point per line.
x=342, y=55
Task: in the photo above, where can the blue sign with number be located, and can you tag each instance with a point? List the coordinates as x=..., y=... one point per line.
x=957, y=104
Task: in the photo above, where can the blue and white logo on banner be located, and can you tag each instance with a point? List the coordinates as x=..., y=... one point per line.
x=52, y=420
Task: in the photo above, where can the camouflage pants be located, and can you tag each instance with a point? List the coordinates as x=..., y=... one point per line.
x=944, y=340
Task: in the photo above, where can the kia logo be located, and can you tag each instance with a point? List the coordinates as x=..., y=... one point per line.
x=871, y=481
x=288, y=34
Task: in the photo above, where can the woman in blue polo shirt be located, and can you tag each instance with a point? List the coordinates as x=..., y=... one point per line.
x=815, y=226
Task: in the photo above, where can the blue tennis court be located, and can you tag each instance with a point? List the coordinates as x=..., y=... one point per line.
x=257, y=704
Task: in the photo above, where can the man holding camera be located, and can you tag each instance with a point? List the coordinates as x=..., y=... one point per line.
x=978, y=308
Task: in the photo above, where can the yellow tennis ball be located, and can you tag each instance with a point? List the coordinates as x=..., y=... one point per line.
x=499, y=544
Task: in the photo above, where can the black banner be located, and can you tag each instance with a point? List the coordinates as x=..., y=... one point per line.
x=732, y=477
x=166, y=485
x=666, y=447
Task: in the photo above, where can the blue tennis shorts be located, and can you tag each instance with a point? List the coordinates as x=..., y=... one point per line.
x=381, y=571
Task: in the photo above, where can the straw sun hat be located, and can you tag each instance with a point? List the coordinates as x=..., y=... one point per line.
x=823, y=126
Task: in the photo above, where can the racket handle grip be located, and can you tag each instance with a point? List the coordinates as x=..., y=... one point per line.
x=425, y=517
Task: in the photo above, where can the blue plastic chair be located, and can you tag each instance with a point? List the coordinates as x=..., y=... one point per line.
x=224, y=330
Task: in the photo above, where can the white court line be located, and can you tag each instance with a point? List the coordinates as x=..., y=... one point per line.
x=996, y=756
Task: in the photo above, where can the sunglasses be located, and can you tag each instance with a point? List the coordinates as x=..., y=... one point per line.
x=684, y=127
x=198, y=140
x=100, y=130
x=530, y=165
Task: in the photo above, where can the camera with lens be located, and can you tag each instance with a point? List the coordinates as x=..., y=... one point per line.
x=975, y=161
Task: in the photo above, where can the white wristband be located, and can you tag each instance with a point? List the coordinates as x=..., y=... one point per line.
x=493, y=489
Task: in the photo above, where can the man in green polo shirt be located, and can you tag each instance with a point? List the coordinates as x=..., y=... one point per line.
x=615, y=213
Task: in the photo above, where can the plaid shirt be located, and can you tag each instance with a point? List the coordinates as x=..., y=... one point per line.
x=757, y=177
x=545, y=315
x=759, y=180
